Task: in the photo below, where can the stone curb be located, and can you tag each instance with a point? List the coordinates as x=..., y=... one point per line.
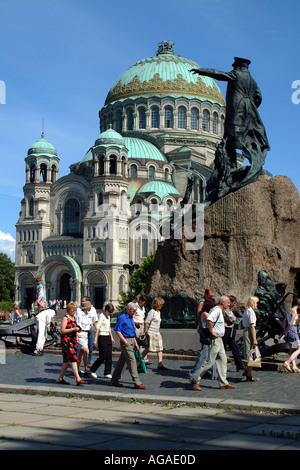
x=244, y=405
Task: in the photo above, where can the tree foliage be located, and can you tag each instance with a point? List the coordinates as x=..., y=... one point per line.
x=7, y=278
x=138, y=281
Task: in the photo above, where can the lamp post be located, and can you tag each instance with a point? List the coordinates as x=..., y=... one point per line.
x=193, y=171
x=131, y=267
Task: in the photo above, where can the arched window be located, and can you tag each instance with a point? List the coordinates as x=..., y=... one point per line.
x=112, y=165
x=30, y=207
x=222, y=125
x=205, y=120
x=53, y=174
x=99, y=254
x=110, y=120
x=151, y=172
x=100, y=198
x=169, y=203
x=133, y=172
x=119, y=121
x=123, y=202
x=142, y=118
x=104, y=123
x=129, y=119
x=121, y=284
x=215, y=123
x=155, y=117
x=32, y=173
x=167, y=174
x=71, y=217
x=43, y=173
x=124, y=166
x=181, y=117
x=168, y=117
x=29, y=257
x=154, y=205
x=144, y=247
x=100, y=165
x=194, y=119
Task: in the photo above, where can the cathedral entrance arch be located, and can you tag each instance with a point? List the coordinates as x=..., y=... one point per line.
x=63, y=278
x=97, y=282
x=25, y=290
x=65, y=288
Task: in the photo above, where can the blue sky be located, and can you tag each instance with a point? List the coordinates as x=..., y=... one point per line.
x=59, y=59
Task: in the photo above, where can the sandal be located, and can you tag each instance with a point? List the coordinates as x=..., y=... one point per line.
x=296, y=370
x=162, y=367
x=81, y=382
x=63, y=382
x=249, y=378
x=287, y=366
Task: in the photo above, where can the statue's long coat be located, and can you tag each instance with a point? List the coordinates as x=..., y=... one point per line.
x=243, y=124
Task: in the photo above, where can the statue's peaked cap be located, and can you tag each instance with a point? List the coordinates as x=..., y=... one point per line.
x=240, y=60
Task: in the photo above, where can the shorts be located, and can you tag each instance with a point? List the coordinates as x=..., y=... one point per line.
x=83, y=338
x=292, y=337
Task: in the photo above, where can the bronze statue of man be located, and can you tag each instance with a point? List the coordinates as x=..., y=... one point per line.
x=243, y=125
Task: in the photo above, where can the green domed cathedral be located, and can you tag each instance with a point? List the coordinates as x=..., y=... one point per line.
x=75, y=232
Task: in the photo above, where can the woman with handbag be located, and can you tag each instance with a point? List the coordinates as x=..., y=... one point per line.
x=138, y=320
x=249, y=334
x=152, y=325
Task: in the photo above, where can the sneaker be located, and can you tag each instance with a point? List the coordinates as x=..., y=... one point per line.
x=108, y=376
x=93, y=374
x=38, y=353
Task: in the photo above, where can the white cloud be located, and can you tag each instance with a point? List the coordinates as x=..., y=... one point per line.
x=7, y=245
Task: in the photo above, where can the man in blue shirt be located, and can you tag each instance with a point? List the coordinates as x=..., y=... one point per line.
x=125, y=331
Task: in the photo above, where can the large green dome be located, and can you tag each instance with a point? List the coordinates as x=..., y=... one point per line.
x=165, y=73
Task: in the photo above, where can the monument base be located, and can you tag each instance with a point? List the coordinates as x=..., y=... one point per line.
x=255, y=228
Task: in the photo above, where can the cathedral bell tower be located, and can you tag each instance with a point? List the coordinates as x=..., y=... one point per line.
x=33, y=226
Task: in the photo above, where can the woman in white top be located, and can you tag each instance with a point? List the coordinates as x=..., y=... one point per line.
x=152, y=325
x=290, y=325
x=105, y=342
x=249, y=334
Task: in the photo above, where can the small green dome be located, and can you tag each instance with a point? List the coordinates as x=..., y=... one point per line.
x=88, y=156
x=158, y=188
x=142, y=149
x=42, y=147
x=110, y=137
x=138, y=149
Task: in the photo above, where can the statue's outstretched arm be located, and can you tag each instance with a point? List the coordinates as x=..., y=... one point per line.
x=216, y=74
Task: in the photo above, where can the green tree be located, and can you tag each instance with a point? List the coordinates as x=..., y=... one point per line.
x=138, y=281
x=7, y=278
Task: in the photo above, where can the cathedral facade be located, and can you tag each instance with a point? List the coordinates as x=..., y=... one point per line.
x=81, y=232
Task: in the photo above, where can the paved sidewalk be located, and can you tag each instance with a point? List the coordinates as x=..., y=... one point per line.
x=37, y=413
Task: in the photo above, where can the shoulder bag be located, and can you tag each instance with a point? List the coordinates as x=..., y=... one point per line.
x=205, y=336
